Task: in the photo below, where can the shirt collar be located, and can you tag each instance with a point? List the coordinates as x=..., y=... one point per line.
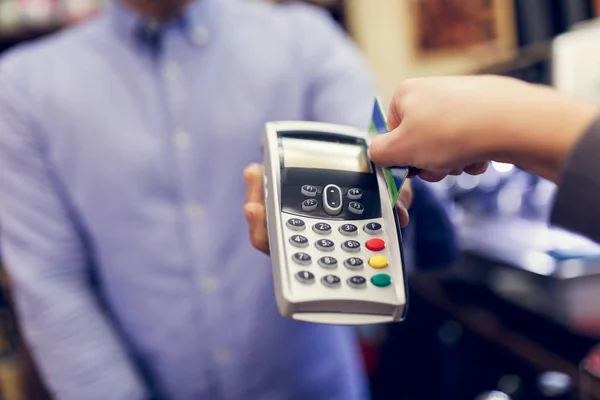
x=195, y=22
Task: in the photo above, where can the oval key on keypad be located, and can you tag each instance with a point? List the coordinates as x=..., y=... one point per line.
x=372, y=228
x=355, y=194
x=296, y=224
x=309, y=190
x=305, y=277
x=309, y=205
x=325, y=245
x=301, y=258
x=330, y=280
x=351, y=245
x=322, y=228
x=328, y=262
x=357, y=282
x=299, y=241
x=348, y=229
x=378, y=262
x=381, y=280
x=356, y=208
x=375, y=244
x=353, y=263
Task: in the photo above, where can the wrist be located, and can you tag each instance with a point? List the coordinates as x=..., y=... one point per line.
x=542, y=130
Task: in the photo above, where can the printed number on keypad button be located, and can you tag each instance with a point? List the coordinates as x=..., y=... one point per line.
x=351, y=245
x=354, y=263
x=309, y=190
x=348, y=229
x=357, y=282
x=302, y=258
x=372, y=228
x=325, y=245
x=322, y=228
x=299, y=241
x=354, y=194
x=309, y=205
x=296, y=224
x=330, y=280
x=328, y=262
x=305, y=277
x=356, y=208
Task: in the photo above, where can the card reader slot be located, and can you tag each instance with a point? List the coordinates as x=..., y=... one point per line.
x=344, y=306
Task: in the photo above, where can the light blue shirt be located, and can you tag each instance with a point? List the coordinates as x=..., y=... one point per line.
x=123, y=159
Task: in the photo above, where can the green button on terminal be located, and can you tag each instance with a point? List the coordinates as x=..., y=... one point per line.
x=381, y=280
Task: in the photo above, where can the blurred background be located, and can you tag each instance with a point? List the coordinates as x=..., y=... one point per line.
x=518, y=315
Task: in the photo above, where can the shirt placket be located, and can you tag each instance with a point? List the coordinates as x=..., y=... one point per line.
x=184, y=143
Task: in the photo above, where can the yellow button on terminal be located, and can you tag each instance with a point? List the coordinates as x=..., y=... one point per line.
x=378, y=262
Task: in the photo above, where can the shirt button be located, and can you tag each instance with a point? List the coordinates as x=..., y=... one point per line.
x=182, y=139
x=194, y=211
x=172, y=71
x=200, y=35
x=222, y=355
x=208, y=284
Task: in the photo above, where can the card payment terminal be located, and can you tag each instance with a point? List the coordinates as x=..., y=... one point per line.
x=333, y=231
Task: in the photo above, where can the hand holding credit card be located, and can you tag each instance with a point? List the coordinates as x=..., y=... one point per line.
x=379, y=126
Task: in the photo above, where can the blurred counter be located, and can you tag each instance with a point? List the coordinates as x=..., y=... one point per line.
x=548, y=271
x=519, y=313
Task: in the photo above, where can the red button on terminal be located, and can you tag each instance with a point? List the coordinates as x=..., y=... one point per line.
x=375, y=244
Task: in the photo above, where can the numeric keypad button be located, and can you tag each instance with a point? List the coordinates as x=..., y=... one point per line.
x=351, y=246
x=348, y=229
x=309, y=190
x=372, y=228
x=305, y=277
x=357, y=282
x=322, y=228
x=328, y=262
x=355, y=194
x=325, y=245
x=354, y=263
x=331, y=281
x=356, y=208
x=302, y=258
x=299, y=241
x=296, y=224
x=309, y=205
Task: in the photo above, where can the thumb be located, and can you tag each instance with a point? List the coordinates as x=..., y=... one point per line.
x=389, y=150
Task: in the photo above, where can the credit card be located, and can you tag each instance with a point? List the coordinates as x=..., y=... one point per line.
x=379, y=126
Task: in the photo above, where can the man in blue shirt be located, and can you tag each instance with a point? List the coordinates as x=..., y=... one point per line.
x=122, y=146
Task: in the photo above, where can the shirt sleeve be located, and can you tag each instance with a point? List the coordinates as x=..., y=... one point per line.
x=78, y=353
x=576, y=203
x=340, y=84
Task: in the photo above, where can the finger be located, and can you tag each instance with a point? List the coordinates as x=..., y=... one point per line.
x=390, y=149
x=477, y=168
x=257, y=225
x=403, y=217
x=394, y=115
x=406, y=194
x=253, y=177
x=433, y=176
x=456, y=171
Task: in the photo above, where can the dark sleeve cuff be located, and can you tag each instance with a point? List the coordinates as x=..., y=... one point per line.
x=577, y=202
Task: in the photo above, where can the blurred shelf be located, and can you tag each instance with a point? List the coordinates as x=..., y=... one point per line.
x=526, y=57
x=13, y=35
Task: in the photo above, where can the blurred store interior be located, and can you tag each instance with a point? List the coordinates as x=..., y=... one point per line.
x=517, y=315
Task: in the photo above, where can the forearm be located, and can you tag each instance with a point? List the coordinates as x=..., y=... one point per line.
x=74, y=345
x=539, y=135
